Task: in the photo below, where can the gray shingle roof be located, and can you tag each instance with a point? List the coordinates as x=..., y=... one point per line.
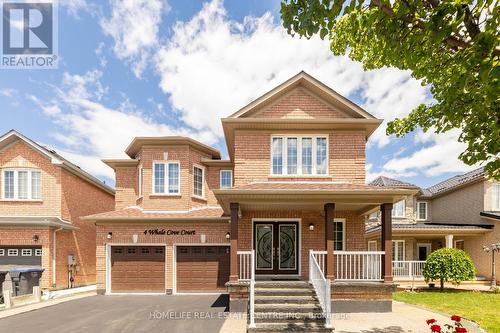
x=490, y=214
x=390, y=182
x=456, y=181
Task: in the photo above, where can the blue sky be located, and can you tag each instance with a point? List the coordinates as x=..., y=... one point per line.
x=152, y=67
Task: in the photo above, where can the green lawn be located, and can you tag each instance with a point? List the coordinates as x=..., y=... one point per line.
x=483, y=308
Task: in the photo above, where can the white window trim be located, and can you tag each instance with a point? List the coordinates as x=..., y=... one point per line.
x=30, y=251
x=372, y=242
x=394, y=209
x=343, y=234
x=16, y=188
x=16, y=251
x=2, y=252
x=493, y=201
x=396, y=248
x=299, y=173
x=165, y=179
x=418, y=210
x=202, y=182
x=38, y=252
x=220, y=177
x=140, y=182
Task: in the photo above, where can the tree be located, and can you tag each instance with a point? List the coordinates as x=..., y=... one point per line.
x=452, y=46
x=449, y=265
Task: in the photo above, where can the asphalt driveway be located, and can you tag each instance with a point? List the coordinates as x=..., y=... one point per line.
x=125, y=313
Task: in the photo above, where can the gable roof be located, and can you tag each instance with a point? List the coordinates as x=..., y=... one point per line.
x=390, y=182
x=13, y=136
x=316, y=86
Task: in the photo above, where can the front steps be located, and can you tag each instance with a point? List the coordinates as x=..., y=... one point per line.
x=287, y=306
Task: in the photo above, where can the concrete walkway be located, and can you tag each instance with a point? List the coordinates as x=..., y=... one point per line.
x=405, y=318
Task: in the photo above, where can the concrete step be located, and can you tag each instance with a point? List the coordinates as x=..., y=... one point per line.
x=283, y=299
x=283, y=292
x=296, y=318
x=290, y=327
x=283, y=284
x=288, y=308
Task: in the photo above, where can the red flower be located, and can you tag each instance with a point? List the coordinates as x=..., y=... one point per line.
x=431, y=321
x=436, y=328
x=456, y=318
x=460, y=330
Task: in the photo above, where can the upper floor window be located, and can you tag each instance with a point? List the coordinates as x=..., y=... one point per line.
x=421, y=210
x=495, y=196
x=22, y=184
x=299, y=155
x=198, y=181
x=166, y=178
x=139, y=181
x=226, y=178
x=399, y=209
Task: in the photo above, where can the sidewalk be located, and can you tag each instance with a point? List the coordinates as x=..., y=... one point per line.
x=405, y=318
x=35, y=306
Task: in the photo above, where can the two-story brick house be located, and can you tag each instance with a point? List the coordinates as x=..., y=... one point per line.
x=462, y=212
x=42, y=197
x=187, y=221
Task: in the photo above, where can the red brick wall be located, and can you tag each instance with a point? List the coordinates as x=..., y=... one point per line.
x=252, y=157
x=79, y=198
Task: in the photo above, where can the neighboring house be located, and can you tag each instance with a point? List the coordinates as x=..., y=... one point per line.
x=186, y=221
x=42, y=199
x=462, y=212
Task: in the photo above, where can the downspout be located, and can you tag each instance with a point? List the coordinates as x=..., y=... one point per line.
x=54, y=248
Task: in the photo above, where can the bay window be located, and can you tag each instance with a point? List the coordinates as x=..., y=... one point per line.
x=495, y=196
x=399, y=209
x=422, y=210
x=299, y=155
x=198, y=181
x=226, y=178
x=23, y=184
x=166, y=178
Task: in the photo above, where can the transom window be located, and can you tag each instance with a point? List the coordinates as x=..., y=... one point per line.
x=226, y=178
x=299, y=155
x=38, y=252
x=26, y=252
x=399, y=209
x=22, y=184
x=198, y=181
x=166, y=178
x=495, y=196
x=421, y=210
x=12, y=252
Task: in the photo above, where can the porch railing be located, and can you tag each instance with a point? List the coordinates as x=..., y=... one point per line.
x=358, y=265
x=245, y=265
x=321, y=287
x=407, y=268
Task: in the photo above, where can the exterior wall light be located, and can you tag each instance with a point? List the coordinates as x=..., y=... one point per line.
x=110, y=235
x=35, y=238
x=311, y=227
x=228, y=235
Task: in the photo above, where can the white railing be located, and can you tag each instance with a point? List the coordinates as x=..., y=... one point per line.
x=321, y=286
x=358, y=265
x=407, y=268
x=245, y=265
x=252, y=290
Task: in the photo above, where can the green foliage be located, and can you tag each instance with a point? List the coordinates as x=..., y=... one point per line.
x=452, y=46
x=449, y=265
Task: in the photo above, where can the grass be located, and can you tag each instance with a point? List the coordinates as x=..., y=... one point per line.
x=482, y=307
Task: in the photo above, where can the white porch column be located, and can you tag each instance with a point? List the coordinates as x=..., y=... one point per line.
x=449, y=241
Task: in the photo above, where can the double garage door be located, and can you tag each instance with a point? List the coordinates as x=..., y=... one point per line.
x=142, y=268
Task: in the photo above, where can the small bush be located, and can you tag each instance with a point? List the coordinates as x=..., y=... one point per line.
x=449, y=265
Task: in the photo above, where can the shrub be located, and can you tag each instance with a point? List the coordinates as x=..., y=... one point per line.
x=449, y=265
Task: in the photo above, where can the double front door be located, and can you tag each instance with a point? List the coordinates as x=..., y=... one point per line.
x=276, y=247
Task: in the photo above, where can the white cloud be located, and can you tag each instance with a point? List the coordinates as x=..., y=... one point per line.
x=439, y=157
x=134, y=26
x=8, y=92
x=74, y=7
x=371, y=174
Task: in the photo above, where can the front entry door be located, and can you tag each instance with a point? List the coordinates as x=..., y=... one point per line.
x=276, y=247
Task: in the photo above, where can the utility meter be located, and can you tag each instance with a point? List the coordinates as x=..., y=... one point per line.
x=71, y=260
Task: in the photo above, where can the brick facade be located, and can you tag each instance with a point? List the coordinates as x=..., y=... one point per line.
x=65, y=196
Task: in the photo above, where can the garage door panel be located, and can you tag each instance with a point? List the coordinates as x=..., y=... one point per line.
x=137, y=269
x=202, y=268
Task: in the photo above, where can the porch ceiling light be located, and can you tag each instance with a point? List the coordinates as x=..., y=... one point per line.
x=311, y=227
x=110, y=234
x=228, y=235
